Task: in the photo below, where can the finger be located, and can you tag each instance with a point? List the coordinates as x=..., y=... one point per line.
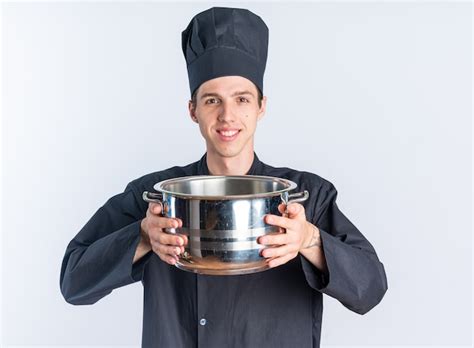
x=155, y=208
x=168, y=258
x=185, y=238
x=168, y=239
x=182, y=242
x=279, y=221
x=278, y=261
x=163, y=222
x=278, y=251
x=282, y=208
x=171, y=257
x=275, y=239
x=295, y=209
x=170, y=250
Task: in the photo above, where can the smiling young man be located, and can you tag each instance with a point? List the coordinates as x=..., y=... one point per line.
x=227, y=110
x=322, y=252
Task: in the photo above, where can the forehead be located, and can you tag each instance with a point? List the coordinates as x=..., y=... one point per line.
x=227, y=85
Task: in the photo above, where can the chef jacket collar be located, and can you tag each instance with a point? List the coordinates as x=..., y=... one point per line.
x=255, y=168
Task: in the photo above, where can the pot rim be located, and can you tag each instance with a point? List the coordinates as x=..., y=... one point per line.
x=290, y=186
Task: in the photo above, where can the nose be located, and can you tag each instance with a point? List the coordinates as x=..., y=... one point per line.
x=226, y=113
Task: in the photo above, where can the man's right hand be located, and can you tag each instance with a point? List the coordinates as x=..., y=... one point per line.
x=166, y=246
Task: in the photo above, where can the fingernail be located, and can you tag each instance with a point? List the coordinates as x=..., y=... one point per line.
x=178, y=250
x=180, y=241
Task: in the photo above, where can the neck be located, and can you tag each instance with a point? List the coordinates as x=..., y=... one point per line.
x=238, y=165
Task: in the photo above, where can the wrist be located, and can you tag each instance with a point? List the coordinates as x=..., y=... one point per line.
x=144, y=238
x=314, y=237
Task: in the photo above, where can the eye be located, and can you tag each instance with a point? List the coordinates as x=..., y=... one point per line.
x=243, y=100
x=211, y=101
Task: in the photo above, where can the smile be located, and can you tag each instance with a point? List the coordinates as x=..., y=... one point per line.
x=228, y=134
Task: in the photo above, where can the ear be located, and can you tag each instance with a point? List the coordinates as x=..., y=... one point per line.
x=192, y=112
x=263, y=108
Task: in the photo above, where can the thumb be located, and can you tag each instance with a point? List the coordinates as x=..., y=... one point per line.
x=295, y=209
x=155, y=208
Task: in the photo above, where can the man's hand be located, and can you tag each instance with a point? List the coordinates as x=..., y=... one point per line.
x=166, y=246
x=300, y=235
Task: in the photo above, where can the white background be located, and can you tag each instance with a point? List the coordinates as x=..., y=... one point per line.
x=375, y=97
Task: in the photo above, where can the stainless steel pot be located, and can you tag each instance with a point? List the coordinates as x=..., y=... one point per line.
x=222, y=218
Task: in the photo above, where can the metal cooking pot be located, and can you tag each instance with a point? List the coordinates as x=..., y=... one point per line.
x=222, y=218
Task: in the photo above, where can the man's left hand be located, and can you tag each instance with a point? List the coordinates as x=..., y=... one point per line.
x=283, y=247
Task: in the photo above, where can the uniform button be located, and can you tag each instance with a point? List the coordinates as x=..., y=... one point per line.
x=202, y=321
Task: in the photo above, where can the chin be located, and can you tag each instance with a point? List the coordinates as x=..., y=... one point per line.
x=228, y=153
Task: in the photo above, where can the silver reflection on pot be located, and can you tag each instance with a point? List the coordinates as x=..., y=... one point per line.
x=223, y=218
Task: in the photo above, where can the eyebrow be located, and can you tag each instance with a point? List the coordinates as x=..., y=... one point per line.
x=235, y=94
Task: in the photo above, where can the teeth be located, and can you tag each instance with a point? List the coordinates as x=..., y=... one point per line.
x=228, y=133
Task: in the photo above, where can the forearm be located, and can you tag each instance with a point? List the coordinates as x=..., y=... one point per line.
x=90, y=272
x=314, y=252
x=143, y=247
x=354, y=276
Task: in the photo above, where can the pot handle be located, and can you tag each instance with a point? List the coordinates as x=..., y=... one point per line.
x=151, y=197
x=298, y=197
x=293, y=198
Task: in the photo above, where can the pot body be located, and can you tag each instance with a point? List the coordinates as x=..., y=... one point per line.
x=222, y=218
x=222, y=234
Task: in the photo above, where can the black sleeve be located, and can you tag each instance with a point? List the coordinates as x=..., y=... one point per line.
x=356, y=277
x=99, y=258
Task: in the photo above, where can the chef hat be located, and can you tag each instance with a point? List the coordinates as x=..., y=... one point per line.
x=225, y=41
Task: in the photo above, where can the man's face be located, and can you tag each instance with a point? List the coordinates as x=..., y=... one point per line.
x=227, y=112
